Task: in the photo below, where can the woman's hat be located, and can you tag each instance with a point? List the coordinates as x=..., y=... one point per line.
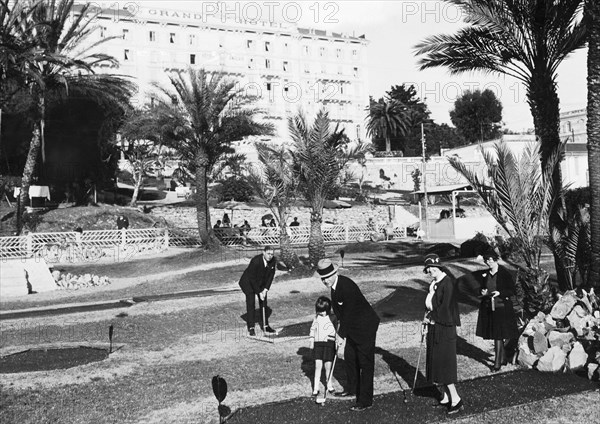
x=432, y=260
x=326, y=268
x=490, y=253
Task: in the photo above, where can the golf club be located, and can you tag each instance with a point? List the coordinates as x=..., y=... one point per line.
x=264, y=318
x=110, y=338
x=419, y=358
x=321, y=401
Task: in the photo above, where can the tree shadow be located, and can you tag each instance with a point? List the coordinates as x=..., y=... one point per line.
x=402, y=370
x=403, y=304
x=258, y=315
x=465, y=348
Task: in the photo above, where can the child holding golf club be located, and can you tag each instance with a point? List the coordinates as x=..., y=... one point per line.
x=322, y=343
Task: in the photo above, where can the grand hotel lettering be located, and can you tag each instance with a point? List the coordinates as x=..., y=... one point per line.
x=173, y=14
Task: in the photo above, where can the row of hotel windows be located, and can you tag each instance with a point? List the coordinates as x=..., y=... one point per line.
x=306, y=49
x=268, y=64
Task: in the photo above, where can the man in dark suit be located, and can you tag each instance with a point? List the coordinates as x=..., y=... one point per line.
x=358, y=324
x=256, y=281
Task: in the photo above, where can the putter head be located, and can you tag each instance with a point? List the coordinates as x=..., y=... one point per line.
x=320, y=401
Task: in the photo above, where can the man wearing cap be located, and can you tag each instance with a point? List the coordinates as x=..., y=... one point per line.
x=256, y=281
x=442, y=320
x=358, y=324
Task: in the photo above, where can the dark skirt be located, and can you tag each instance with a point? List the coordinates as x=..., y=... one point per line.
x=441, y=354
x=324, y=351
x=499, y=324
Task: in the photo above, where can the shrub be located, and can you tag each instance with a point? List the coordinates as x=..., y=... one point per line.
x=236, y=189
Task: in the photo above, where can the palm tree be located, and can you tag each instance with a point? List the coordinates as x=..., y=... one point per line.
x=524, y=39
x=274, y=182
x=386, y=118
x=206, y=113
x=520, y=194
x=592, y=10
x=17, y=51
x=62, y=66
x=318, y=158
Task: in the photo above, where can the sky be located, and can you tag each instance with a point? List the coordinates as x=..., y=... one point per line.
x=393, y=28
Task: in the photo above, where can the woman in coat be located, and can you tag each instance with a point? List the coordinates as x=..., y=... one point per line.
x=497, y=320
x=442, y=320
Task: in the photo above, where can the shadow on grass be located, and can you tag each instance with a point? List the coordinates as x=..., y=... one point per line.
x=465, y=348
x=401, y=369
x=403, y=304
x=308, y=368
x=258, y=315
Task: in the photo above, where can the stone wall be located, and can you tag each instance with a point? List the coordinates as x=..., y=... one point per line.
x=185, y=217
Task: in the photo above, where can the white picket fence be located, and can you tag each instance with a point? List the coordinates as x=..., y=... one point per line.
x=91, y=245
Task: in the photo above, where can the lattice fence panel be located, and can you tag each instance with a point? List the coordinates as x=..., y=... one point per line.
x=149, y=238
x=102, y=238
x=333, y=233
x=13, y=247
x=299, y=235
x=184, y=237
x=263, y=236
x=359, y=232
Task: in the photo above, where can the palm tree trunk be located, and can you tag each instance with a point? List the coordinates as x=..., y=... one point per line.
x=592, y=9
x=388, y=144
x=28, y=170
x=544, y=104
x=42, y=105
x=288, y=256
x=316, y=246
x=136, y=190
x=209, y=240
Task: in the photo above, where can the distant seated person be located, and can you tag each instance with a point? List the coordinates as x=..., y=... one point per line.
x=246, y=225
x=226, y=221
x=122, y=222
x=218, y=224
x=295, y=223
x=265, y=222
x=173, y=185
x=273, y=223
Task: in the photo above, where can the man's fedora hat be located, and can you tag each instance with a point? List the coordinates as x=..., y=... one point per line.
x=432, y=260
x=326, y=268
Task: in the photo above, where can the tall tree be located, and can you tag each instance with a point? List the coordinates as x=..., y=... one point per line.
x=142, y=151
x=274, y=182
x=477, y=115
x=592, y=10
x=60, y=60
x=318, y=158
x=524, y=39
x=386, y=118
x=441, y=136
x=206, y=113
x=416, y=112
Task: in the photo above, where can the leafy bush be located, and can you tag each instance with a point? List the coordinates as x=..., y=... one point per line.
x=235, y=188
x=508, y=247
x=576, y=198
x=7, y=183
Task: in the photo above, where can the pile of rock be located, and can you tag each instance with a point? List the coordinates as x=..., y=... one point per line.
x=568, y=338
x=68, y=281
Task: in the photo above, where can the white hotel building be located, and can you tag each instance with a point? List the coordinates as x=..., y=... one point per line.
x=291, y=68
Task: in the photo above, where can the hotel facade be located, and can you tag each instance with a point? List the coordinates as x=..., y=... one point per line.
x=288, y=67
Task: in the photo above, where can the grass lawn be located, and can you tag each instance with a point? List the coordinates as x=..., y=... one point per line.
x=171, y=349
